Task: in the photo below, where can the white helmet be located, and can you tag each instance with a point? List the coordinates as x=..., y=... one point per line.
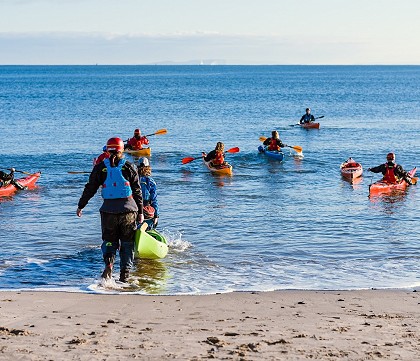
x=144, y=162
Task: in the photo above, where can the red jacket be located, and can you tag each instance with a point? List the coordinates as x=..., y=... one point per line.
x=136, y=144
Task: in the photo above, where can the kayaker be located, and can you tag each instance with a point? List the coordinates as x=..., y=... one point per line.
x=121, y=209
x=6, y=179
x=137, y=141
x=274, y=143
x=216, y=157
x=149, y=192
x=103, y=156
x=392, y=172
x=307, y=117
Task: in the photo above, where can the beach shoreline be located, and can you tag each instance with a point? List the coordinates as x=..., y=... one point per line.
x=278, y=325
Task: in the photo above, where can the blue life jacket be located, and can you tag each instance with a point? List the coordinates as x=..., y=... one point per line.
x=115, y=186
x=145, y=189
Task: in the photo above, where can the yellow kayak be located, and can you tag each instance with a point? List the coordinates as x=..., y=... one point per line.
x=145, y=152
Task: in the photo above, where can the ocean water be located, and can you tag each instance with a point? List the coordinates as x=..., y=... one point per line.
x=290, y=225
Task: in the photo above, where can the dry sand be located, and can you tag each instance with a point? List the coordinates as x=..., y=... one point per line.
x=283, y=325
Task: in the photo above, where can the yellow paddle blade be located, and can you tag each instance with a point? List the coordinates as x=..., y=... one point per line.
x=161, y=131
x=414, y=180
x=262, y=139
x=297, y=148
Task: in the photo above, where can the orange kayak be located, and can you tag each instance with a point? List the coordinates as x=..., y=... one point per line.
x=225, y=169
x=351, y=169
x=384, y=187
x=311, y=125
x=28, y=181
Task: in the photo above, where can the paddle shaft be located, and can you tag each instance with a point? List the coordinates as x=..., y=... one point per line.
x=20, y=171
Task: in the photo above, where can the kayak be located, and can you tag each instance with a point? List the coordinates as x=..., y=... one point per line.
x=150, y=244
x=311, y=125
x=274, y=154
x=350, y=169
x=28, y=181
x=225, y=169
x=145, y=152
x=384, y=187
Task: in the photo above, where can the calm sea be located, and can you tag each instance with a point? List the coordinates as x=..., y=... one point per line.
x=290, y=225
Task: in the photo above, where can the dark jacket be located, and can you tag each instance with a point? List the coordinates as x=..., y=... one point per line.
x=307, y=118
x=123, y=205
x=267, y=142
x=210, y=156
x=398, y=171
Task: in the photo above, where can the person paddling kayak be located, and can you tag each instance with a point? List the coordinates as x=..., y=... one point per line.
x=274, y=143
x=121, y=208
x=216, y=157
x=307, y=117
x=102, y=156
x=149, y=192
x=137, y=142
x=392, y=172
x=6, y=179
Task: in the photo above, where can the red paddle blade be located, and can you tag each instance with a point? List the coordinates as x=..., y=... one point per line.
x=233, y=150
x=187, y=160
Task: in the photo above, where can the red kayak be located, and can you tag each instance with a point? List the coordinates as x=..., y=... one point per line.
x=28, y=181
x=351, y=169
x=311, y=125
x=384, y=187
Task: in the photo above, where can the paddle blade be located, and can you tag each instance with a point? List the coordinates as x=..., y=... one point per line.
x=233, y=150
x=322, y=116
x=262, y=139
x=187, y=160
x=414, y=180
x=297, y=148
x=161, y=131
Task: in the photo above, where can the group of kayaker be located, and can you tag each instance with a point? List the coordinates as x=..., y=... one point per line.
x=129, y=196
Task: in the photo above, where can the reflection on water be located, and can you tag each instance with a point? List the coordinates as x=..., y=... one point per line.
x=389, y=203
x=150, y=275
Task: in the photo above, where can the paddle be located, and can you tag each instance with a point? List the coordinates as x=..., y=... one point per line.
x=414, y=180
x=297, y=148
x=320, y=117
x=158, y=132
x=190, y=159
x=20, y=171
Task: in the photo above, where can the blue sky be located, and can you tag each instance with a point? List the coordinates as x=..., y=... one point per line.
x=213, y=31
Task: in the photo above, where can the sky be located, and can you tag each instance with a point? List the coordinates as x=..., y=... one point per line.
x=247, y=32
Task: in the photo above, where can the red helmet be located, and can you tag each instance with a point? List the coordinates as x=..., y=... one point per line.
x=390, y=157
x=137, y=131
x=115, y=144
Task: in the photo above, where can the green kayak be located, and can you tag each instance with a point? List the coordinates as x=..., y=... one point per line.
x=149, y=244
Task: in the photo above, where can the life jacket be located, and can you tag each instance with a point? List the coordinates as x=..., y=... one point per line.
x=103, y=156
x=145, y=189
x=218, y=159
x=389, y=176
x=137, y=144
x=115, y=186
x=273, y=146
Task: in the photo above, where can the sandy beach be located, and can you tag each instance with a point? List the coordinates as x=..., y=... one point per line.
x=282, y=325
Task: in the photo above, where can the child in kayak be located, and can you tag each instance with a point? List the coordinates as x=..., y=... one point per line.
x=148, y=189
x=274, y=143
x=6, y=179
x=392, y=172
x=137, y=142
x=217, y=156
